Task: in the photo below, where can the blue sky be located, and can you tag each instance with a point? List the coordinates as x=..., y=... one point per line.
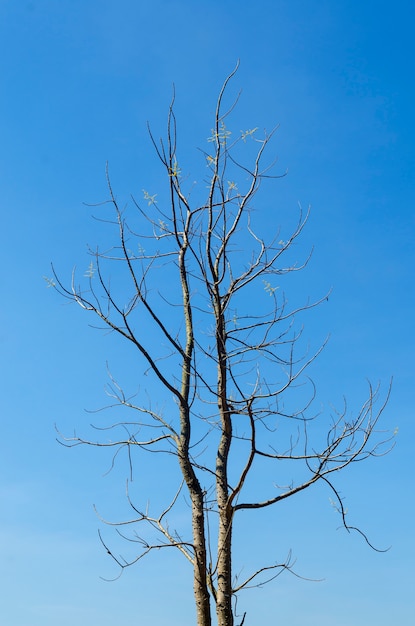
x=79, y=80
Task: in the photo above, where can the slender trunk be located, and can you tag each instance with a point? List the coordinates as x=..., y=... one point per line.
x=224, y=590
x=200, y=582
x=200, y=586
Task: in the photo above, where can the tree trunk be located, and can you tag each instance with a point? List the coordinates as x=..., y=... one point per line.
x=200, y=587
x=224, y=592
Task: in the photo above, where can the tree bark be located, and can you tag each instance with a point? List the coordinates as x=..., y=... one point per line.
x=224, y=593
x=200, y=583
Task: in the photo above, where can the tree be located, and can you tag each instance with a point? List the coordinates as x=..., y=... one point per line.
x=225, y=350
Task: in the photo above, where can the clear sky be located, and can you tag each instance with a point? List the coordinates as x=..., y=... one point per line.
x=79, y=80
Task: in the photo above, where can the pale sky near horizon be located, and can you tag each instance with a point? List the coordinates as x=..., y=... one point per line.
x=79, y=80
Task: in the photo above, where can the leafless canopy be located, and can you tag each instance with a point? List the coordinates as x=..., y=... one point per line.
x=197, y=293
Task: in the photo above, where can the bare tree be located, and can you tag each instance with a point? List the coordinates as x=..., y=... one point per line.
x=199, y=298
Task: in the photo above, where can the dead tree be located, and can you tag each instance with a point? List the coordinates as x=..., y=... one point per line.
x=200, y=300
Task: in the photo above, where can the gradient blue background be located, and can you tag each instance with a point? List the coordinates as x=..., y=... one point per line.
x=79, y=79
